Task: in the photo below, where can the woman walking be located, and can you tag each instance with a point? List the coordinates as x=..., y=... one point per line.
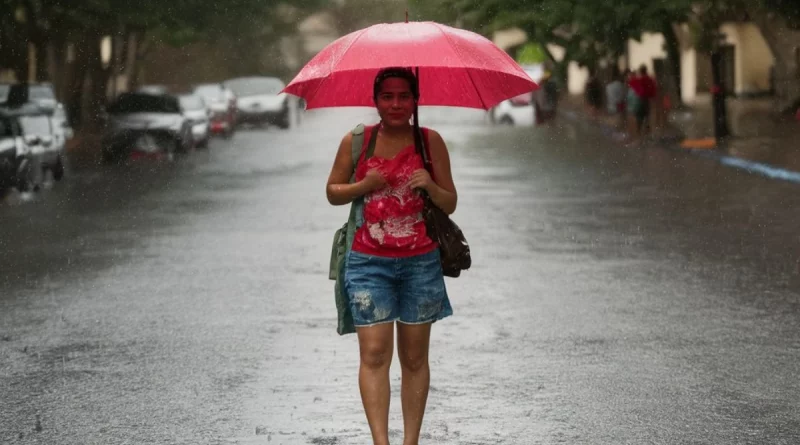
x=394, y=278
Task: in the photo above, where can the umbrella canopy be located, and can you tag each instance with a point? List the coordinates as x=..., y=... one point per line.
x=456, y=67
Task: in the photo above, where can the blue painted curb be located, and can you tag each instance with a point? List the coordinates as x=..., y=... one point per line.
x=754, y=167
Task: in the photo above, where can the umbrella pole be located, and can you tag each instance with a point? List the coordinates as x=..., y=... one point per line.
x=417, y=131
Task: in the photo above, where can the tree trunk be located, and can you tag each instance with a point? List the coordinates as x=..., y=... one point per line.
x=13, y=47
x=97, y=85
x=40, y=50
x=116, y=64
x=142, y=49
x=673, y=48
x=76, y=80
x=560, y=68
x=130, y=59
x=58, y=67
x=721, y=129
x=782, y=41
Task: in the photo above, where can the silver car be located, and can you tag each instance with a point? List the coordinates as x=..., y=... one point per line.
x=198, y=114
x=133, y=113
x=260, y=101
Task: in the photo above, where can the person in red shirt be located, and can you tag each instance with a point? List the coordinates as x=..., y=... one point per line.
x=643, y=91
x=393, y=271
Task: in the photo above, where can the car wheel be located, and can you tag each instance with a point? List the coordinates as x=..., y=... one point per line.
x=28, y=183
x=506, y=120
x=285, y=122
x=203, y=144
x=58, y=169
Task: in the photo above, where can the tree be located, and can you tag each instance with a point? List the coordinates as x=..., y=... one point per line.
x=53, y=26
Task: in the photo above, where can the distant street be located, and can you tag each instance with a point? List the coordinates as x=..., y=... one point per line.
x=617, y=296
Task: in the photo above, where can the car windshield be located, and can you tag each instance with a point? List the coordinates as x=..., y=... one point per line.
x=251, y=86
x=210, y=92
x=4, y=92
x=36, y=92
x=144, y=103
x=191, y=103
x=35, y=125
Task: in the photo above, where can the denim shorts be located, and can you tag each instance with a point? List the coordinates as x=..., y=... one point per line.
x=409, y=290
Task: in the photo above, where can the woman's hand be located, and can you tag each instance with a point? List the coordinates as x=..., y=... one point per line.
x=374, y=180
x=421, y=179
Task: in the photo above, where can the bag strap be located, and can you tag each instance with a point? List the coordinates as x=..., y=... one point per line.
x=355, y=147
x=373, y=139
x=422, y=143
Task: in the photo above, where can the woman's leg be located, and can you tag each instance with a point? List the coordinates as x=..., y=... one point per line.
x=376, y=346
x=412, y=349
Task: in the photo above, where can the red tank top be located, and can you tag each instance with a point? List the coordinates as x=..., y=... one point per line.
x=393, y=224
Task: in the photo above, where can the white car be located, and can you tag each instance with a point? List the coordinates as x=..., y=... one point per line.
x=37, y=143
x=519, y=110
x=43, y=95
x=259, y=100
x=221, y=102
x=198, y=114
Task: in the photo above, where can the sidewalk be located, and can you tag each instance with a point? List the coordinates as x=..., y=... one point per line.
x=761, y=143
x=84, y=149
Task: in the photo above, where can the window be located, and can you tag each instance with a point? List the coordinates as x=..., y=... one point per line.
x=251, y=86
x=144, y=103
x=35, y=125
x=192, y=103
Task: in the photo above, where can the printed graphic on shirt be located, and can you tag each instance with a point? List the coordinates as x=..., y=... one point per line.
x=393, y=215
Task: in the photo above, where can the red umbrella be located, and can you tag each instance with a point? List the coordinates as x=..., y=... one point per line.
x=456, y=67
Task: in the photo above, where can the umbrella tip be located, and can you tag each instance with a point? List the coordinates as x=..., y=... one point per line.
x=406, y=15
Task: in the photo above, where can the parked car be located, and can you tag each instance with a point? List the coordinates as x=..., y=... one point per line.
x=15, y=162
x=222, y=103
x=520, y=110
x=195, y=109
x=135, y=113
x=44, y=96
x=153, y=89
x=260, y=101
x=37, y=143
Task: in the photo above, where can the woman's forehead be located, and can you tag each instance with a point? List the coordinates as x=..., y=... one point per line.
x=395, y=84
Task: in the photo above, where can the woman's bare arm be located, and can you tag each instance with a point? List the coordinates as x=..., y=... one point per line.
x=339, y=189
x=443, y=192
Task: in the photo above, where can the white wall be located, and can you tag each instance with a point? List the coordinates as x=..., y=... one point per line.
x=753, y=57
x=642, y=52
x=689, y=76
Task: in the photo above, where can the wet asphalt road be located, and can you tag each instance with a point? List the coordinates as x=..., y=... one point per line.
x=617, y=296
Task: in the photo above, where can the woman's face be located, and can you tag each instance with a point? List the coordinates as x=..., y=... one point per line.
x=395, y=102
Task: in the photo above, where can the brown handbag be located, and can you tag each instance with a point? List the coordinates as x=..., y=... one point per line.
x=453, y=246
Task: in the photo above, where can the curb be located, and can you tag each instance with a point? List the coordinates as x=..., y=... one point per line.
x=754, y=167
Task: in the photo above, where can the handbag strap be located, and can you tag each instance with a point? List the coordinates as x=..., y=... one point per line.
x=373, y=139
x=421, y=144
x=355, y=148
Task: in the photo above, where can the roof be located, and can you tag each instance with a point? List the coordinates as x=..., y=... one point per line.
x=26, y=109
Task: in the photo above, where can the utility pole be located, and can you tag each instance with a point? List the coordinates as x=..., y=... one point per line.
x=718, y=89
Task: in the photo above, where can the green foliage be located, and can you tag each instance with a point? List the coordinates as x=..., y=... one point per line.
x=593, y=30
x=531, y=53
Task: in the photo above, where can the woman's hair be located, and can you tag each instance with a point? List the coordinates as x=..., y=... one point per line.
x=399, y=72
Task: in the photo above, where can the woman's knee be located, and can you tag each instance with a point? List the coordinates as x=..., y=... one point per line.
x=375, y=345
x=414, y=359
x=376, y=355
